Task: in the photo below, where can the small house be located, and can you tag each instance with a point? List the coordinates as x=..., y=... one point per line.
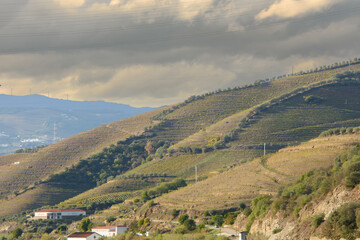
x=84, y=236
x=109, y=231
x=59, y=213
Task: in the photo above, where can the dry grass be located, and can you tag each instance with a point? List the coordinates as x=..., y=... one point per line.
x=261, y=176
x=55, y=158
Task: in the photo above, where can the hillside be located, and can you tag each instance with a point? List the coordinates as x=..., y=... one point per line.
x=176, y=125
x=261, y=176
x=28, y=121
x=36, y=167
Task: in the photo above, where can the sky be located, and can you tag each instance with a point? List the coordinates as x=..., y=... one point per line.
x=160, y=52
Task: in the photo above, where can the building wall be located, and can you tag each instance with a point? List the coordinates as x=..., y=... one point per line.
x=91, y=237
x=103, y=232
x=120, y=230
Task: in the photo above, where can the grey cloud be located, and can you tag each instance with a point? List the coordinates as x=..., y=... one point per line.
x=156, y=55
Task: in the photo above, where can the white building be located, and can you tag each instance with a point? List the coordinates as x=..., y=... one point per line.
x=59, y=213
x=109, y=231
x=84, y=236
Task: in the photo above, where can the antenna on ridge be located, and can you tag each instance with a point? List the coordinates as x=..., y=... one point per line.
x=55, y=132
x=264, y=149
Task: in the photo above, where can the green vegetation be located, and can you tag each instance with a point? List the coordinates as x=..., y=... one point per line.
x=340, y=131
x=30, y=150
x=16, y=233
x=343, y=222
x=318, y=220
x=163, y=188
x=85, y=225
x=259, y=206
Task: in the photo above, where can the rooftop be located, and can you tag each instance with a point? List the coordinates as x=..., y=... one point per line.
x=81, y=234
x=61, y=210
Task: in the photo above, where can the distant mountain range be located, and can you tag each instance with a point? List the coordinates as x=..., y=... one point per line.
x=33, y=120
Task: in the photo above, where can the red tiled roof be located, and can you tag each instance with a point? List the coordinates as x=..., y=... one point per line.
x=121, y=226
x=112, y=230
x=80, y=234
x=61, y=210
x=103, y=227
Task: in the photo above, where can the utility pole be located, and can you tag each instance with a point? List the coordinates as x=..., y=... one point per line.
x=264, y=149
x=196, y=178
x=54, y=132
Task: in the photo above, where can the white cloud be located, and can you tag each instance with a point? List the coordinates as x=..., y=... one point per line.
x=149, y=10
x=70, y=3
x=294, y=8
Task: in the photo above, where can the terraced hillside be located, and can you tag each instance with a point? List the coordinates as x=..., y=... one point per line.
x=177, y=125
x=261, y=176
x=113, y=191
x=300, y=118
x=30, y=169
x=201, y=114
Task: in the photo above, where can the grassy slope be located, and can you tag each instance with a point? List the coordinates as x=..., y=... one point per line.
x=111, y=189
x=180, y=124
x=206, y=114
x=292, y=121
x=54, y=158
x=261, y=176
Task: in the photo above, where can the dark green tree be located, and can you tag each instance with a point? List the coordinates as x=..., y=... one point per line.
x=16, y=233
x=183, y=218
x=189, y=224
x=85, y=225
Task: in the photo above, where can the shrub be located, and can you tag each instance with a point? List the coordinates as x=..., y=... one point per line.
x=242, y=206
x=247, y=211
x=342, y=222
x=183, y=218
x=16, y=233
x=174, y=213
x=85, y=225
x=151, y=204
x=277, y=230
x=218, y=220
x=110, y=219
x=189, y=224
x=318, y=220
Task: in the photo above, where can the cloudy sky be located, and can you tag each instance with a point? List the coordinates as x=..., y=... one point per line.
x=158, y=52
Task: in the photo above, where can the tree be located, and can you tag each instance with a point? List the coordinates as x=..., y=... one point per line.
x=110, y=219
x=183, y=218
x=16, y=233
x=149, y=148
x=189, y=224
x=85, y=225
x=145, y=196
x=218, y=220
x=174, y=213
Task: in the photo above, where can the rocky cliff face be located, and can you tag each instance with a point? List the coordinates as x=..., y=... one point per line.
x=302, y=228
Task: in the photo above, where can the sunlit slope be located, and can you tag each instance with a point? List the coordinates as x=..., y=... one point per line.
x=296, y=119
x=217, y=114
x=32, y=168
x=110, y=190
x=261, y=176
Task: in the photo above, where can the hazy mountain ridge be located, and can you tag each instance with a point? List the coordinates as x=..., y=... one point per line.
x=29, y=121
